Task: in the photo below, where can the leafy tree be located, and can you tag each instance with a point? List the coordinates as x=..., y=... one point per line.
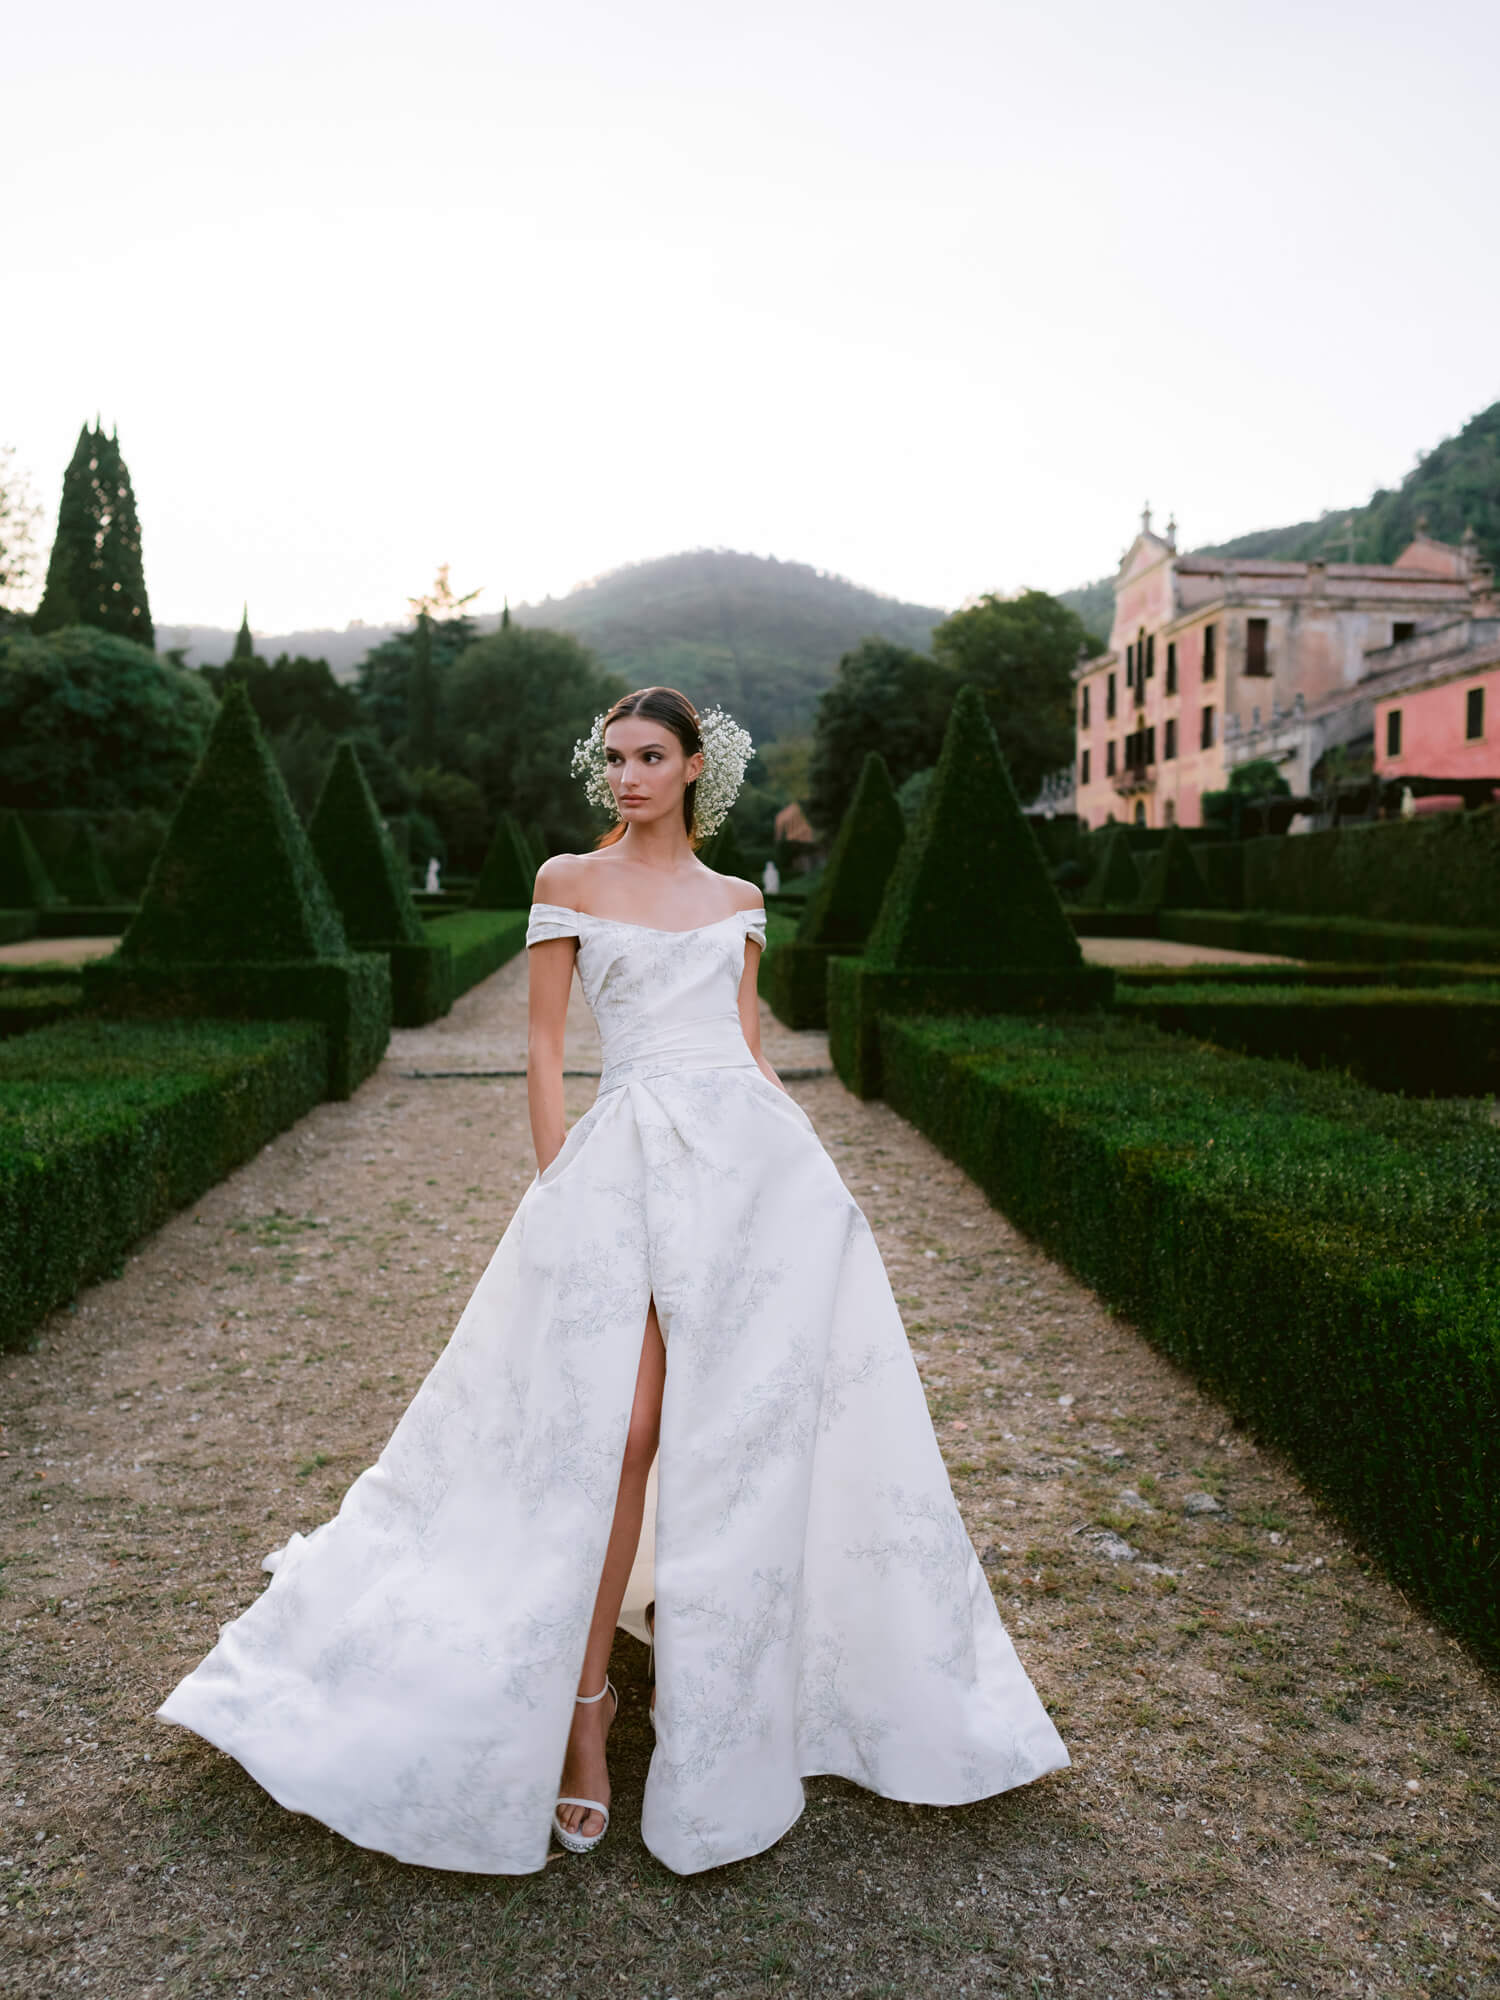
x=94, y=574
x=885, y=698
x=19, y=515
x=456, y=806
x=384, y=684
x=96, y=722
x=244, y=645
x=514, y=705
x=288, y=691
x=1020, y=654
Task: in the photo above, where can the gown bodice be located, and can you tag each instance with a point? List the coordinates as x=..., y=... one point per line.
x=661, y=1000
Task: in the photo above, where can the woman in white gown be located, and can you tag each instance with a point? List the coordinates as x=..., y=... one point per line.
x=686, y=1280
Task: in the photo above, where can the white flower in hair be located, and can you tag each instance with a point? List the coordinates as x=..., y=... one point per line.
x=727, y=750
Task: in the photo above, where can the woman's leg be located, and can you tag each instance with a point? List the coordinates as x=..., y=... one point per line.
x=584, y=1771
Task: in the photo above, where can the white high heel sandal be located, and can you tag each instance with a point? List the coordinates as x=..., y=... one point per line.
x=585, y=1843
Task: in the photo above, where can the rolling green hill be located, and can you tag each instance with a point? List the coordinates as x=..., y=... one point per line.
x=1456, y=486
x=761, y=636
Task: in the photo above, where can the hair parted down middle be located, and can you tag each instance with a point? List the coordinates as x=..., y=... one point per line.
x=726, y=751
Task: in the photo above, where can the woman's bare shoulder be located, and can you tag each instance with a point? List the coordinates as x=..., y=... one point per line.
x=558, y=880
x=746, y=895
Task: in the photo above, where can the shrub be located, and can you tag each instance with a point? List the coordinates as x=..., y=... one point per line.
x=106, y=1128
x=837, y=916
x=369, y=885
x=23, y=1008
x=480, y=941
x=969, y=919
x=1324, y=938
x=24, y=883
x=70, y=854
x=505, y=880
x=92, y=722
x=1439, y=868
x=722, y=852
x=237, y=919
x=1115, y=879
x=1173, y=880
x=1442, y=1041
x=1326, y=1259
x=16, y=926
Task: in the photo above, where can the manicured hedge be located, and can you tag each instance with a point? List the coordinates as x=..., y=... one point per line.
x=84, y=920
x=1437, y=868
x=1232, y=974
x=370, y=888
x=23, y=1008
x=1442, y=1042
x=481, y=941
x=1324, y=1257
x=505, y=880
x=69, y=852
x=1325, y=938
x=16, y=926
x=350, y=996
x=24, y=882
x=1172, y=879
x=107, y=1127
x=836, y=918
x=1116, y=878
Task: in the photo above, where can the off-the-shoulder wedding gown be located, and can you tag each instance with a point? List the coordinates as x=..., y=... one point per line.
x=407, y=1676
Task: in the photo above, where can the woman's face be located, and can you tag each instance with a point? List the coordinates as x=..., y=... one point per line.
x=647, y=768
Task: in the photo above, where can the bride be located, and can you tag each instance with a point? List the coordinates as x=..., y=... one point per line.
x=686, y=1326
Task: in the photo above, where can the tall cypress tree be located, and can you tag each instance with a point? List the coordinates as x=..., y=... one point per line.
x=244, y=645
x=95, y=575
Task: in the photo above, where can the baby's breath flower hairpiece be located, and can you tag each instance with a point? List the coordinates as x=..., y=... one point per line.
x=726, y=752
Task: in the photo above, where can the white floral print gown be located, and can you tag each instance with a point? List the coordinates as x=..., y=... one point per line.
x=407, y=1676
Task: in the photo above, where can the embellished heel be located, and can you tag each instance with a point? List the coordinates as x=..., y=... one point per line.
x=585, y=1843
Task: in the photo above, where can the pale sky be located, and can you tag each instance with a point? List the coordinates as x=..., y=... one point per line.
x=932, y=296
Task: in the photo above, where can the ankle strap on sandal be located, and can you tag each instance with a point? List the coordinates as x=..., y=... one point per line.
x=607, y=1688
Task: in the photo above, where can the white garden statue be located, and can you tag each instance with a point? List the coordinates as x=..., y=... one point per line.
x=770, y=878
x=433, y=885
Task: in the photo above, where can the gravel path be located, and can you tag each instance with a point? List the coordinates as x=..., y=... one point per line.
x=1284, y=1780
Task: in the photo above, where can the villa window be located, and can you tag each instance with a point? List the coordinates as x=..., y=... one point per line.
x=1083, y=713
x=1256, y=632
x=1206, y=730
x=1109, y=758
x=1474, y=714
x=1169, y=737
x=1083, y=768
x=1171, y=666
x=1401, y=630
x=1150, y=757
x=1150, y=654
x=1210, y=651
x=1109, y=698
x=1169, y=812
x=1393, y=732
x=1130, y=665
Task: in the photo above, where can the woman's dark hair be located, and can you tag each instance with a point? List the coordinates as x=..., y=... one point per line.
x=665, y=705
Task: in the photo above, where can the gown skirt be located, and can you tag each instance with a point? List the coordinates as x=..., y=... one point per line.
x=408, y=1674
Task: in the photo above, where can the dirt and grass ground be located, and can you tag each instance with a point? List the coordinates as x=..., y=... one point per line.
x=1284, y=1779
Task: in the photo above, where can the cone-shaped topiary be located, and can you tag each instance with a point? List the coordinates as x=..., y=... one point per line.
x=1173, y=879
x=505, y=880
x=69, y=852
x=358, y=862
x=1116, y=878
x=236, y=879
x=722, y=852
x=970, y=889
x=536, y=840
x=846, y=902
x=24, y=882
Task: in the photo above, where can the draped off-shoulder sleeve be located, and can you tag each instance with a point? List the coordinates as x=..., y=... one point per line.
x=551, y=920
x=755, y=925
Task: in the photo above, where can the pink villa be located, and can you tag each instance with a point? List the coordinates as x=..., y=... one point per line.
x=1216, y=661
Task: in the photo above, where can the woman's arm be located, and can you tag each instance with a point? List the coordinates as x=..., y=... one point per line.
x=550, y=978
x=750, y=1001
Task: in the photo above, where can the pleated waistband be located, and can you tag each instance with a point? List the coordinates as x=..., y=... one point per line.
x=715, y=1043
